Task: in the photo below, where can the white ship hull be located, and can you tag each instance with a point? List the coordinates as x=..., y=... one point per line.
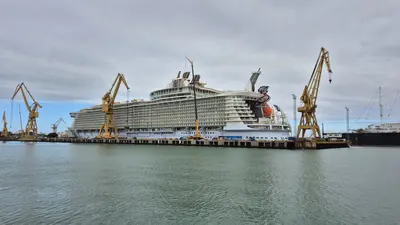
x=170, y=114
x=211, y=134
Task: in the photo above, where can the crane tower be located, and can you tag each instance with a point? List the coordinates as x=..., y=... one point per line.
x=31, y=129
x=5, y=130
x=109, y=127
x=308, y=120
x=55, y=125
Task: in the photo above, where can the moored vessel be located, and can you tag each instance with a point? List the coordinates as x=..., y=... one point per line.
x=242, y=114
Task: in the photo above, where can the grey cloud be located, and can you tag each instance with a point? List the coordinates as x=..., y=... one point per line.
x=71, y=51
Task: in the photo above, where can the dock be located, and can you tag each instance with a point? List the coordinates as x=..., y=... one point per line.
x=284, y=144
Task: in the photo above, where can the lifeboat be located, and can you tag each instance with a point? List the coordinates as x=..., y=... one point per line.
x=267, y=111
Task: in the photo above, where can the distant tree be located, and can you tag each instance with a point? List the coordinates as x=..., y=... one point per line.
x=52, y=135
x=41, y=134
x=360, y=131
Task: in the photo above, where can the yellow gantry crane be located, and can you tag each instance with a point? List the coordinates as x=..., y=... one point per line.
x=5, y=130
x=308, y=119
x=108, y=127
x=55, y=125
x=31, y=129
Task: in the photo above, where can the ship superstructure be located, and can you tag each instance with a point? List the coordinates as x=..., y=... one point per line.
x=169, y=113
x=384, y=128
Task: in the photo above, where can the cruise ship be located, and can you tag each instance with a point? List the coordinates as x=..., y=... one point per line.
x=170, y=114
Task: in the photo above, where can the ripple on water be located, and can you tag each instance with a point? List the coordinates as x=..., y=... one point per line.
x=98, y=184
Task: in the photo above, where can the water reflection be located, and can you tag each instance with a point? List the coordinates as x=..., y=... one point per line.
x=121, y=184
x=188, y=188
x=23, y=188
x=257, y=201
x=311, y=201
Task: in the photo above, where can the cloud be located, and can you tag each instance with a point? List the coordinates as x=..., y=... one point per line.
x=72, y=51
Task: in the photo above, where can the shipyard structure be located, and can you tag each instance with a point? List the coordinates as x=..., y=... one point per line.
x=245, y=114
x=384, y=134
x=186, y=112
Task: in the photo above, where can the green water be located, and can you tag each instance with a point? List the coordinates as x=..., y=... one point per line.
x=47, y=183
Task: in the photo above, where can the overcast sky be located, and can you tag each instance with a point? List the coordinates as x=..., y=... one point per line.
x=71, y=51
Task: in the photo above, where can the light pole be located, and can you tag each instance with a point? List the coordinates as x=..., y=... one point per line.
x=294, y=115
x=347, y=122
x=380, y=104
x=347, y=118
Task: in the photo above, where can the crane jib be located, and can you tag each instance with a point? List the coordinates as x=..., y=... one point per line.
x=309, y=97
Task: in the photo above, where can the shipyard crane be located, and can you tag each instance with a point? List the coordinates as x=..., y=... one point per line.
x=308, y=120
x=55, y=125
x=31, y=129
x=5, y=130
x=22, y=133
x=197, y=134
x=108, y=127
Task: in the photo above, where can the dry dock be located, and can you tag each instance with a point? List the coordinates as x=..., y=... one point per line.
x=305, y=144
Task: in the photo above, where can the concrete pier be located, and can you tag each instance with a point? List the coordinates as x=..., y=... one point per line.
x=207, y=143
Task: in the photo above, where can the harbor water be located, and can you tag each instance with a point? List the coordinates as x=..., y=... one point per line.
x=62, y=183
